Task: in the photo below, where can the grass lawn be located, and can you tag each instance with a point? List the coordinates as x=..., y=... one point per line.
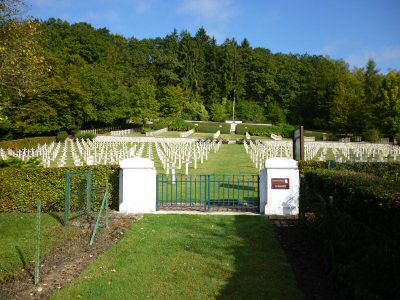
x=230, y=159
x=190, y=257
x=18, y=238
x=232, y=136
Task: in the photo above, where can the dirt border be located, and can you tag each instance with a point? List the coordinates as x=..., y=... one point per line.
x=66, y=262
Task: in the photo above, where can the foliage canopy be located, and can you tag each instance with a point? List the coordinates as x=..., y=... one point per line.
x=56, y=76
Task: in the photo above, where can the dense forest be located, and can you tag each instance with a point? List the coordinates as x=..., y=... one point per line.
x=62, y=76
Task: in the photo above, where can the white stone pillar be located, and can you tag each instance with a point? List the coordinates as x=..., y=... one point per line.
x=137, y=185
x=280, y=187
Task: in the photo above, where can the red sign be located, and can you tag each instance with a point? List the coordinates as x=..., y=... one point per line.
x=280, y=183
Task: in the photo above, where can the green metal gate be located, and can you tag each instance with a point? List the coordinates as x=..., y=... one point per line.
x=209, y=192
x=78, y=194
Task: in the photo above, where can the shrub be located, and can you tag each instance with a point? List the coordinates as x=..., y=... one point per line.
x=371, y=135
x=352, y=219
x=225, y=141
x=219, y=113
x=61, y=136
x=5, y=129
x=250, y=111
x=387, y=170
x=213, y=127
x=276, y=114
x=23, y=187
x=195, y=110
x=263, y=130
x=180, y=125
x=146, y=129
x=161, y=123
x=397, y=136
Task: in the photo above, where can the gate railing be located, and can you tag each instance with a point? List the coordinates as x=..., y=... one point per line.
x=208, y=192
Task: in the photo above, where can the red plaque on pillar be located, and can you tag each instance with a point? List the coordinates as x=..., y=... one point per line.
x=280, y=183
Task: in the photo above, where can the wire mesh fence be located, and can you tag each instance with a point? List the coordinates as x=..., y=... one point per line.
x=41, y=251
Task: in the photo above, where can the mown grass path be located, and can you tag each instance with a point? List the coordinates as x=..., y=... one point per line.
x=190, y=257
x=230, y=159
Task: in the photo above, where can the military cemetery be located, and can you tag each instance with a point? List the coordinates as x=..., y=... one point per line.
x=257, y=159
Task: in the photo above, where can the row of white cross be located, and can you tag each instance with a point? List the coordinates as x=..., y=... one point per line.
x=260, y=151
x=172, y=154
x=122, y=132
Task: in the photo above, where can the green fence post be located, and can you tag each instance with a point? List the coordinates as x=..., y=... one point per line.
x=208, y=192
x=238, y=190
x=67, y=198
x=97, y=225
x=37, y=262
x=200, y=192
x=107, y=206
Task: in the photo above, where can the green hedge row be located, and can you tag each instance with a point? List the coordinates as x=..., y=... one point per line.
x=305, y=165
x=213, y=127
x=180, y=125
x=353, y=219
x=262, y=130
x=386, y=170
x=21, y=188
x=27, y=142
x=172, y=124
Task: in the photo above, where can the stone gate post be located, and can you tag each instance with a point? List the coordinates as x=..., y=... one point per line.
x=137, y=185
x=280, y=187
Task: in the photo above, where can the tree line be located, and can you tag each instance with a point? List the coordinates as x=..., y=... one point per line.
x=57, y=76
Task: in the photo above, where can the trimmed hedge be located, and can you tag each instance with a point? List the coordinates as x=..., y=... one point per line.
x=180, y=125
x=21, y=188
x=385, y=170
x=213, y=127
x=176, y=124
x=61, y=136
x=260, y=130
x=27, y=142
x=353, y=219
x=305, y=165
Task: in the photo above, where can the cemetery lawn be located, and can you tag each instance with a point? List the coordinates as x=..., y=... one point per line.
x=190, y=257
x=230, y=159
x=18, y=238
